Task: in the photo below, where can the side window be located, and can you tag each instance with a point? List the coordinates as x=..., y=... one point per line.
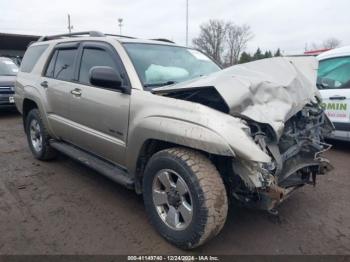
x=94, y=57
x=51, y=67
x=31, y=56
x=64, y=65
x=334, y=73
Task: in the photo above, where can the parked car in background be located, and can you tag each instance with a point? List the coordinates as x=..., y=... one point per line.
x=17, y=60
x=8, y=72
x=334, y=84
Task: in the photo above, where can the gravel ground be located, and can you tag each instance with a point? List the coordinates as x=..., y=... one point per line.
x=62, y=207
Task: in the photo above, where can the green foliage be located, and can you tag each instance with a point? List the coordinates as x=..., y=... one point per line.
x=257, y=55
x=246, y=57
x=278, y=53
x=268, y=54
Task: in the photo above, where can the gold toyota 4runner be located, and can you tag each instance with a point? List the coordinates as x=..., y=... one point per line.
x=167, y=122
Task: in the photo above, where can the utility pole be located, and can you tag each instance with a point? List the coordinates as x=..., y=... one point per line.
x=187, y=23
x=70, y=27
x=120, y=21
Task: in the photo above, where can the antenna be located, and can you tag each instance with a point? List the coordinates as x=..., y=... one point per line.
x=186, y=23
x=120, y=21
x=70, y=27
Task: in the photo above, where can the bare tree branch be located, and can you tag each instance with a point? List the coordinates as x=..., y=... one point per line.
x=237, y=39
x=211, y=39
x=331, y=42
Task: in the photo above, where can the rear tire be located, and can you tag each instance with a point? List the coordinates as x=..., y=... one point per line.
x=184, y=196
x=37, y=136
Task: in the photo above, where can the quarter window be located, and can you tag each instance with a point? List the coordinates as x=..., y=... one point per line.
x=31, y=56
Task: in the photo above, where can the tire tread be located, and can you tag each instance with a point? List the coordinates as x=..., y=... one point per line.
x=49, y=152
x=212, y=187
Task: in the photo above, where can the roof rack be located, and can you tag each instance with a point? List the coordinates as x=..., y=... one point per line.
x=163, y=40
x=89, y=33
x=124, y=36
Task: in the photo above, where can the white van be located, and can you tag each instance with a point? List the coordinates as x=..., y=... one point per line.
x=333, y=82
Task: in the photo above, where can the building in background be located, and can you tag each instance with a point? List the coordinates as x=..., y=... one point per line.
x=14, y=45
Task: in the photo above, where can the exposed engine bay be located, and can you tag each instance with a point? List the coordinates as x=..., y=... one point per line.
x=296, y=161
x=278, y=101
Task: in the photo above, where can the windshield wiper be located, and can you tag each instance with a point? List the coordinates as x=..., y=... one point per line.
x=160, y=84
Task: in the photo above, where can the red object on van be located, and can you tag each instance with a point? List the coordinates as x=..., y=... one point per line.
x=316, y=52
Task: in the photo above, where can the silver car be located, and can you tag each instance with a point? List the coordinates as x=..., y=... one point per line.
x=167, y=122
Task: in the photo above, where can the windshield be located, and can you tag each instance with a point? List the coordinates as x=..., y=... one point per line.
x=334, y=73
x=159, y=65
x=7, y=67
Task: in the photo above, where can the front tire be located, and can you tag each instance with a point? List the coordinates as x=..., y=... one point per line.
x=37, y=136
x=184, y=196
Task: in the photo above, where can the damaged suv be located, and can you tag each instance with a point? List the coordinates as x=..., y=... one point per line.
x=167, y=122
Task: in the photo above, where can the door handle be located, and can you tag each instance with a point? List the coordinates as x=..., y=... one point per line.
x=76, y=92
x=337, y=98
x=44, y=84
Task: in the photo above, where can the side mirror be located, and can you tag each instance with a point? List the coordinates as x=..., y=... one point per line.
x=105, y=76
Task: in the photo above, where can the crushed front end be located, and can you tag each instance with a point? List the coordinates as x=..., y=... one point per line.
x=277, y=102
x=296, y=159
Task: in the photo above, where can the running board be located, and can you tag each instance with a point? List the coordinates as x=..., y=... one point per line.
x=107, y=169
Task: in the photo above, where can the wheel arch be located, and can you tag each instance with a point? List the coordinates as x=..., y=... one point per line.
x=206, y=187
x=28, y=105
x=152, y=146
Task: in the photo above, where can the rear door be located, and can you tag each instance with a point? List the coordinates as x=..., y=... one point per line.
x=100, y=115
x=334, y=84
x=57, y=81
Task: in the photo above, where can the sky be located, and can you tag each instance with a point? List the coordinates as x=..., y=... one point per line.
x=285, y=24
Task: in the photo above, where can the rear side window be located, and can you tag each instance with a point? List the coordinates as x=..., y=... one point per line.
x=94, y=57
x=61, y=65
x=334, y=73
x=31, y=56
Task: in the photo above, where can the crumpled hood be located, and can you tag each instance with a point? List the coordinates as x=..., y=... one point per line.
x=267, y=91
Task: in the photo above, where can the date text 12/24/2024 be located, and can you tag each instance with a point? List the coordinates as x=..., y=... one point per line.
x=173, y=258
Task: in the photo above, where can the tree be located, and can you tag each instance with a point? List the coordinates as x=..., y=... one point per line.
x=314, y=46
x=245, y=58
x=268, y=54
x=258, y=54
x=211, y=39
x=278, y=53
x=331, y=42
x=237, y=38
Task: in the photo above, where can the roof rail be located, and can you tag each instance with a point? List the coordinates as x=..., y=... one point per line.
x=89, y=33
x=124, y=36
x=163, y=40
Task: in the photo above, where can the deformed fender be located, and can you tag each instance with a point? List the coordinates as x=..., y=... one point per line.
x=189, y=124
x=191, y=135
x=178, y=132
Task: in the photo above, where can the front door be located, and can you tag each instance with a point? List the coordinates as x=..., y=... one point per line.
x=100, y=115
